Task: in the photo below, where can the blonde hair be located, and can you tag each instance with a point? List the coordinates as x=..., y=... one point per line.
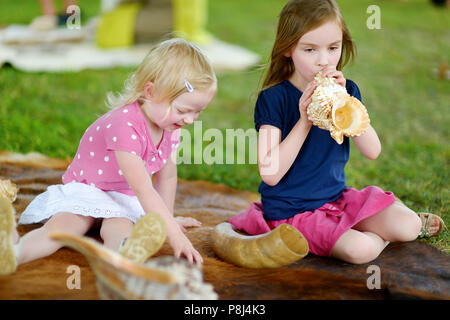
x=297, y=18
x=168, y=65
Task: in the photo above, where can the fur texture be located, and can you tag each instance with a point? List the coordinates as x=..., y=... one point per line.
x=407, y=270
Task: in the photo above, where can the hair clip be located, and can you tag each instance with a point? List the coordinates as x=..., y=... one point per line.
x=189, y=87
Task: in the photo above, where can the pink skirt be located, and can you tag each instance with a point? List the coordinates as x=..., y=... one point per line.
x=325, y=225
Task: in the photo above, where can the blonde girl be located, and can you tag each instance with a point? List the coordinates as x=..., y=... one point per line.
x=306, y=186
x=110, y=177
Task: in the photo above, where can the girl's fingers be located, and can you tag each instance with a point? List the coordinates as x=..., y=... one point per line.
x=177, y=253
x=198, y=258
x=305, y=100
x=311, y=90
x=304, y=104
x=329, y=71
x=192, y=222
x=338, y=75
x=311, y=86
x=185, y=248
x=190, y=258
x=193, y=256
x=188, y=222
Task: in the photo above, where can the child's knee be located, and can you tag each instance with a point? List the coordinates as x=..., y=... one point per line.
x=401, y=224
x=104, y=231
x=68, y=223
x=56, y=224
x=411, y=228
x=360, y=253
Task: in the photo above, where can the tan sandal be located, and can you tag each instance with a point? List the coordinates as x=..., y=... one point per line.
x=8, y=261
x=147, y=237
x=427, y=218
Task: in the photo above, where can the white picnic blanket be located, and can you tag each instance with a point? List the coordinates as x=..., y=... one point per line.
x=66, y=49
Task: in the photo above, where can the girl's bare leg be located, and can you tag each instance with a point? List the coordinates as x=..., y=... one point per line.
x=358, y=247
x=68, y=3
x=396, y=223
x=114, y=230
x=47, y=7
x=37, y=243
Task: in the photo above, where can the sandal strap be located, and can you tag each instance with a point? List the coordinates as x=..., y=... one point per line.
x=426, y=223
x=426, y=219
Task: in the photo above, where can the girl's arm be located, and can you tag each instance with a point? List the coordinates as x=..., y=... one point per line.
x=135, y=173
x=166, y=183
x=166, y=186
x=275, y=157
x=368, y=143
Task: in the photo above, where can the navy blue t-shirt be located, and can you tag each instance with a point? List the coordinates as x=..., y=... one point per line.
x=317, y=174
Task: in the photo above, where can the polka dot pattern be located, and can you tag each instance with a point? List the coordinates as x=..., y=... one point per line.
x=123, y=129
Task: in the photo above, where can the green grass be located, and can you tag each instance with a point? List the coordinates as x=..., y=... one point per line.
x=408, y=106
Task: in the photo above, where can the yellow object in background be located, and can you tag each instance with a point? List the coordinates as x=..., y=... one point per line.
x=190, y=17
x=116, y=28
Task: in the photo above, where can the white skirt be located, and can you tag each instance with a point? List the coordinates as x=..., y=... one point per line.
x=82, y=199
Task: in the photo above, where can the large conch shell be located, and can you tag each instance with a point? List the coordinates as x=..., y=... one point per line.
x=161, y=278
x=333, y=109
x=279, y=247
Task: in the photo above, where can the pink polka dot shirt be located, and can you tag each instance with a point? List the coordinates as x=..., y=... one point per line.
x=123, y=129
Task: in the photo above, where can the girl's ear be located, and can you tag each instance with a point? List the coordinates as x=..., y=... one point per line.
x=149, y=90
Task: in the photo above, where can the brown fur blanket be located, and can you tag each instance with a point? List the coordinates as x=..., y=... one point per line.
x=406, y=270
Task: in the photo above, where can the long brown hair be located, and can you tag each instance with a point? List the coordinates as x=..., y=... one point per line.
x=297, y=18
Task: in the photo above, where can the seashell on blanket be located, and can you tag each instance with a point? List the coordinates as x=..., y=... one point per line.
x=333, y=109
x=8, y=189
x=160, y=278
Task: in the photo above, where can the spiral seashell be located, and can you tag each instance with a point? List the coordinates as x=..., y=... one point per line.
x=279, y=247
x=333, y=109
x=119, y=278
x=8, y=189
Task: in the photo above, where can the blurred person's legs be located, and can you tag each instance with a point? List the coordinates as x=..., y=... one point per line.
x=49, y=18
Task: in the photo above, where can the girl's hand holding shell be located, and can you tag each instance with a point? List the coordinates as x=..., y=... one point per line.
x=305, y=101
x=338, y=76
